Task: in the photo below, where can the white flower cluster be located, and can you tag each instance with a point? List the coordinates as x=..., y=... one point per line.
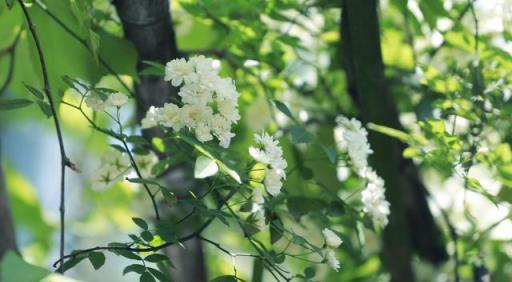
x=95, y=102
x=373, y=198
x=210, y=103
x=356, y=140
x=270, y=154
x=116, y=165
x=332, y=241
x=358, y=148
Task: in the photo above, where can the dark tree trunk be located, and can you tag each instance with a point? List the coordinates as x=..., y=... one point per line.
x=147, y=23
x=7, y=236
x=411, y=226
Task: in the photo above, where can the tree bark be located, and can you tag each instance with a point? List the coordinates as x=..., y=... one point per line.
x=7, y=235
x=411, y=225
x=147, y=23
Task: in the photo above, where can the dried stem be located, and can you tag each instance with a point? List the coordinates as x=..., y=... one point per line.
x=64, y=159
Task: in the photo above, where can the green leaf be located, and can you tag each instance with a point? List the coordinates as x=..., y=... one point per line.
x=299, y=206
x=11, y=104
x=147, y=277
x=299, y=240
x=309, y=272
x=137, y=268
x=147, y=236
x=330, y=153
x=157, y=67
x=205, y=167
x=283, y=109
x=140, y=222
x=137, y=139
x=9, y=3
x=97, y=259
x=13, y=268
x=300, y=135
x=45, y=108
x=276, y=230
x=36, y=92
x=169, y=197
x=161, y=276
x=156, y=258
x=70, y=263
x=395, y=133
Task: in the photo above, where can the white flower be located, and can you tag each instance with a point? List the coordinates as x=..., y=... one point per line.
x=145, y=163
x=356, y=139
x=95, y=102
x=257, y=197
x=116, y=100
x=194, y=115
x=203, y=65
x=225, y=89
x=270, y=154
x=374, y=200
x=115, y=158
x=273, y=182
x=115, y=165
x=259, y=217
x=177, y=70
x=203, y=133
x=228, y=109
x=151, y=119
x=331, y=239
x=332, y=261
x=169, y=116
x=221, y=128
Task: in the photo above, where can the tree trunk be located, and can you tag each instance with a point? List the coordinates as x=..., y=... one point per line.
x=147, y=23
x=7, y=236
x=411, y=225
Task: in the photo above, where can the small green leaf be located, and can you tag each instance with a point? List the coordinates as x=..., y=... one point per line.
x=156, y=258
x=395, y=133
x=300, y=135
x=147, y=277
x=330, y=153
x=309, y=272
x=276, y=230
x=140, y=222
x=283, y=109
x=97, y=259
x=137, y=139
x=169, y=197
x=9, y=3
x=205, y=167
x=137, y=268
x=36, y=92
x=45, y=108
x=147, y=236
x=161, y=276
x=11, y=104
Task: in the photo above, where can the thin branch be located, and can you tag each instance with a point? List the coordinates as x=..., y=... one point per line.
x=64, y=159
x=136, y=167
x=83, y=42
x=11, y=52
x=153, y=248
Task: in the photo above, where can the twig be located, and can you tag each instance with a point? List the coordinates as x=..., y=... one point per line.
x=136, y=167
x=153, y=248
x=84, y=43
x=64, y=159
x=11, y=52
